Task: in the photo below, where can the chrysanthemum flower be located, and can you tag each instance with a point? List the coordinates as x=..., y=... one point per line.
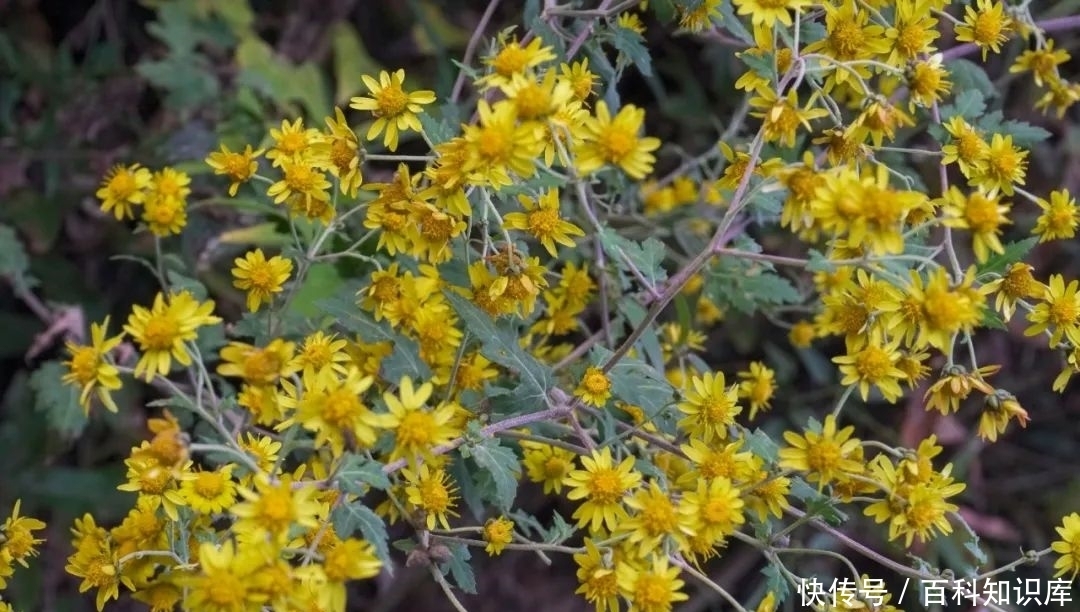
x=224, y=580
x=849, y=35
x=1016, y=284
x=89, y=368
x=432, y=491
x=955, y=385
x=651, y=587
x=498, y=532
x=1042, y=63
x=656, y=517
x=968, y=149
x=1059, y=312
x=710, y=406
x=1068, y=546
x=499, y=145
x=602, y=485
x=928, y=81
x=164, y=216
x=258, y=365
x=716, y=508
x=394, y=109
x=615, y=141
x=543, y=221
x=980, y=212
x=1059, y=218
x=338, y=151
x=274, y=507
x=701, y=17
x=1005, y=165
x=162, y=330
x=335, y=410
x=512, y=58
x=209, y=492
x=1000, y=408
x=260, y=277
x=321, y=357
x=17, y=541
x=594, y=388
x=596, y=577
x=768, y=12
x=825, y=455
x=299, y=178
x=417, y=429
x=239, y=166
x=581, y=79
x=123, y=188
x=547, y=465
x=986, y=25
x=757, y=385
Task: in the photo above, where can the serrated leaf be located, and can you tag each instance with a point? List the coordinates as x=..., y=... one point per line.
x=357, y=473
x=969, y=76
x=631, y=45
x=1014, y=252
x=816, y=503
x=503, y=466
x=439, y=131
x=1024, y=134
x=13, y=259
x=178, y=282
x=969, y=104
x=636, y=383
x=458, y=566
x=761, y=445
x=649, y=342
x=350, y=516
x=734, y=25
x=58, y=402
x=647, y=257
x=500, y=345
x=748, y=289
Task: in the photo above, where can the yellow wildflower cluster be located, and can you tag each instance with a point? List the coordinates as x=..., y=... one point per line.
x=17, y=545
x=507, y=322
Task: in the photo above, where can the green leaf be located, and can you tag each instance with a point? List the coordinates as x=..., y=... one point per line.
x=349, y=517
x=816, y=503
x=439, y=130
x=649, y=342
x=351, y=60
x=13, y=260
x=1023, y=133
x=664, y=10
x=637, y=383
x=187, y=80
x=761, y=445
x=969, y=104
x=500, y=345
x=503, y=466
x=969, y=76
x=59, y=402
x=748, y=289
x=647, y=256
x=179, y=282
x=458, y=566
x=631, y=45
x=734, y=25
x=358, y=473
x=1014, y=252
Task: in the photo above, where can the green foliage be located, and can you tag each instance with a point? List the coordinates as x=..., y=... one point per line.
x=59, y=404
x=503, y=467
x=348, y=517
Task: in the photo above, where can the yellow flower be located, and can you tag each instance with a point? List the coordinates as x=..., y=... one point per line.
x=656, y=517
x=89, y=369
x=1001, y=407
x=260, y=277
x=1059, y=219
x=849, y=35
x=768, y=12
x=826, y=455
x=238, y=166
x=123, y=188
x=980, y=212
x=802, y=334
x=1059, y=312
x=96, y=562
x=710, y=406
x=1068, y=547
x=1061, y=94
x=954, y=386
x=322, y=357
x=338, y=151
x=1004, y=166
x=273, y=507
x=1016, y=284
x=597, y=579
x=291, y=143
x=936, y=310
x=651, y=588
x=258, y=366
x=417, y=430
x=498, y=532
x=757, y=386
x=512, y=58
x=335, y=410
x=547, y=465
x=500, y=145
x=299, y=179
x=967, y=149
x=602, y=485
x=164, y=216
x=162, y=330
x=1042, y=63
x=543, y=221
x=209, y=492
x=224, y=579
x=346, y=560
x=716, y=508
x=781, y=117
x=986, y=25
x=928, y=81
x=581, y=79
x=394, y=109
x=17, y=541
x=701, y=17
x=432, y=491
x=615, y=141
x=594, y=388
x=913, y=32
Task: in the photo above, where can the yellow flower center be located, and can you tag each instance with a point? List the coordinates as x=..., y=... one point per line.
x=512, y=58
x=1064, y=312
x=261, y=276
x=434, y=497
x=617, y=143
x=987, y=28
x=602, y=584
x=336, y=563
x=652, y=592
x=493, y=143
x=658, y=515
x=437, y=227
x=982, y=214
x=847, y=39
x=969, y=146
x=391, y=101
x=276, y=509
x=160, y=332
x=236, y=166
x=782, y=118
x=873, y=363
x=342, y=154
x=596, y=383
x=925, y=81
x=339, y=407
x=167, y=186
x=299, y=177
x=209, y=484
x=84, y=364
x=100, y=572
x=717, y=409
x=122, y=185
x=823, y=456
x=394, y=221
x=226, y=591
x=385, y=289
x=290, y=143
x=910, y=39
x=921, y=515
x=416, y=430
x=317, y=355
x=262, y=365
x=154, y=481
x=942, y=309
x=717, y=511
x=784, y=57
x=1004, y=164
x=717, y=464
x=543, y=221
x=1018, y=282
x=555, y=468
x=532, y=101
x=605, y=486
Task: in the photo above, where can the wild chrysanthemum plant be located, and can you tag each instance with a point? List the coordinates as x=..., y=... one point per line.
x=527, y=301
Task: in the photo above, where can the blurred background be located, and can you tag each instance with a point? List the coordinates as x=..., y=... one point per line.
x=86, y=84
